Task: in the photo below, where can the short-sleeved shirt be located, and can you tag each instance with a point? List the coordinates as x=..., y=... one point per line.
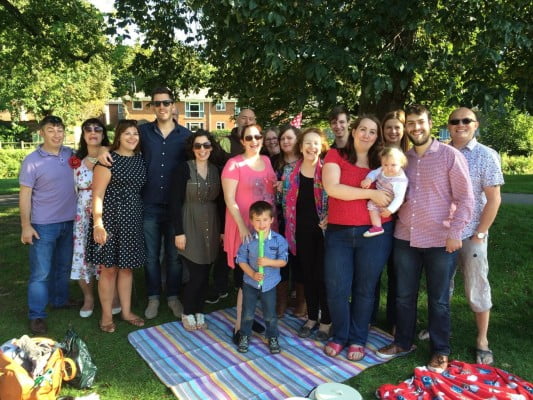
x=162, y=156
x=485, y=170
x=276, y=248
x=53, y=197
x=437, y=179
x=348, y=212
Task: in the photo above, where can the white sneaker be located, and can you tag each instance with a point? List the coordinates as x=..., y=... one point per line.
x=116, y=310
x=176, y=307
x=189, y=322
x=152, y=309
x=200, y=321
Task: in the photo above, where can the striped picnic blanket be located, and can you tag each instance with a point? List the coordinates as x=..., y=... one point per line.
x=205, y=364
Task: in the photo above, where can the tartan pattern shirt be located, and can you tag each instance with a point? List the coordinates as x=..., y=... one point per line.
x=437, y=179
x=485, y=170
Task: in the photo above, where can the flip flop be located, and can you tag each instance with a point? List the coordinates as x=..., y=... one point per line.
x=138, y=322
x=355, y=352
x=333, y=349
x=484, y=357
x=108, y=328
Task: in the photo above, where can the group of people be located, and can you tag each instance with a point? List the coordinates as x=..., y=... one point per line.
x=281, y=209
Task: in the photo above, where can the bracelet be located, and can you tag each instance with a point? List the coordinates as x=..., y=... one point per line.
x=98, y=226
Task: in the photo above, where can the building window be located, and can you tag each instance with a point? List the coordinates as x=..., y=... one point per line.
x=221, y=125
x=137, y=105
x=237, y=110
x=194, y=110
x=220, y=106
x=194, y=126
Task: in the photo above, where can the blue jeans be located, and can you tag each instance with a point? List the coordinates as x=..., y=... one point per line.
x=157, y=226
x=50, y=265
x=440, y=266
x=353, y=265
x=268, y=303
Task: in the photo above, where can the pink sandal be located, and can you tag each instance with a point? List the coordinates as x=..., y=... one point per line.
x=355, y=352
x=333, y=349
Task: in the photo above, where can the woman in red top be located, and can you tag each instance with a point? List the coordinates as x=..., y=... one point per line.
x=353, y=263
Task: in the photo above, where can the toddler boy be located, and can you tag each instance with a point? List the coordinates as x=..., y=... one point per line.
x=261, y=285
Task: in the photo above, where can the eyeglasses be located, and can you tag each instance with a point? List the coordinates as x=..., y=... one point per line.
x=93, y=128
x=166, y=103
x=249, y=138
x=465, y=121
x=198, y=146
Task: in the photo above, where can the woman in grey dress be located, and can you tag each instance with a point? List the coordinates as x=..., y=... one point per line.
x=197, y=206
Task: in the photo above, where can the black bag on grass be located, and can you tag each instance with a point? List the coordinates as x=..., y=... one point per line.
x=75, y=348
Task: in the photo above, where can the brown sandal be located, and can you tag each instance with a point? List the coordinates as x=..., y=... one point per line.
x=138, y=322
x=108, y=328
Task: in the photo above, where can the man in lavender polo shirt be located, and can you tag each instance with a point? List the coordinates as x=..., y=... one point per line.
x=47, y=210
x=487, y=177
x=428, y=235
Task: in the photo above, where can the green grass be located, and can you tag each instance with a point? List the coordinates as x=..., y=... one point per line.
x=518, y=184
x=124, y=375
x=9, y=186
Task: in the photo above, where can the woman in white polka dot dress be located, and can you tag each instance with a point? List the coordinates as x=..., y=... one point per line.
x=117, y=241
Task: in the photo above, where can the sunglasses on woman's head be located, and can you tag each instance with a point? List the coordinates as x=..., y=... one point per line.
x=249, y=138
x=198, y=146
x=93, y=128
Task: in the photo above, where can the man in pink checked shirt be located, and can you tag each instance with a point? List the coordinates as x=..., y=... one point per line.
x=438, y=177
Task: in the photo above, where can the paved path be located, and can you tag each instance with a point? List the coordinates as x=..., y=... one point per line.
x=507, y=198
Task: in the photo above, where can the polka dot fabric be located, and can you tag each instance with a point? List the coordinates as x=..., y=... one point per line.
x=122, y=216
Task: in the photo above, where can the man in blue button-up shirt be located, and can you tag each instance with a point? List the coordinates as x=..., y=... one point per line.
x=261, y=285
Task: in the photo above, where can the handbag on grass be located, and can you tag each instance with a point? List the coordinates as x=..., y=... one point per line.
x=76, y=349
x=16, y=383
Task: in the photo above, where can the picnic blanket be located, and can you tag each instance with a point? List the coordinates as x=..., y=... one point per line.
x=206, y=364
x=460, y=381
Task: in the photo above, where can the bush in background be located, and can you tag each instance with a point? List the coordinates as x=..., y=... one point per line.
x=508, y=130
x=10, y=161
x=517, y=165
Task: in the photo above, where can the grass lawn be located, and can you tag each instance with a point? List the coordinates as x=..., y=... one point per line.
x=124, y=375
x=518, y=184
x=9, y=186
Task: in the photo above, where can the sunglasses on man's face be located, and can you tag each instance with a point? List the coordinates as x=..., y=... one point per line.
x=166, y=103
x=198, y=146
x=465, y=121
x=249, y=138
x=94, y=128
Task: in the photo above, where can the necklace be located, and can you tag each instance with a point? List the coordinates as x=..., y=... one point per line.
x=93, y=160
x=199, y=192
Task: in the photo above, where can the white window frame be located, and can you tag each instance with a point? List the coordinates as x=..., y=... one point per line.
x=194, y=126
x=133, y=105
x=220, y=106
x=194, y=113
x=221, y=125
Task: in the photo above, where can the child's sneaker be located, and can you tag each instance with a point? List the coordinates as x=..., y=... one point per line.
x=243, y=344
x=273, y=345
x=374, y=231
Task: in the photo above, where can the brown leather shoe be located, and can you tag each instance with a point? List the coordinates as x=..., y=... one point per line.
x=38, y=326
x=438, y=363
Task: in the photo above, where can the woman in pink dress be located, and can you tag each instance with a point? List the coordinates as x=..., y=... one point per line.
x=246, y=178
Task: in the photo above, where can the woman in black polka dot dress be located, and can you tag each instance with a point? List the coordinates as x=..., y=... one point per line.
x=117, y=241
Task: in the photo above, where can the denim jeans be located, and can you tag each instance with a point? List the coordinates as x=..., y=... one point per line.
x=250, y=295
x=440, y=266
x=157, y=226
x=353, y=265
x=50, y=265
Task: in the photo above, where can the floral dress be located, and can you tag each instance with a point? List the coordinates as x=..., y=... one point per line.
x=83, y=177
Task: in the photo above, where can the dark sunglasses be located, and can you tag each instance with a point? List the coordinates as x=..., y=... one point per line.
x=465, y=121
x=249, y=138
x=166, y=103
x=92, y=128
x=198, y=146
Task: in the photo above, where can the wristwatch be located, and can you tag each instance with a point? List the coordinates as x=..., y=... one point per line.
x=481, y=235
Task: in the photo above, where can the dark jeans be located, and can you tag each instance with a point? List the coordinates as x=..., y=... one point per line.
x=221, y=272
x=310, y=257
x=250, y=296
x=50, y=265
x=391, y=295
x=352, y=268
x=157, y=226
x=195, y=289
x=439, y=265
